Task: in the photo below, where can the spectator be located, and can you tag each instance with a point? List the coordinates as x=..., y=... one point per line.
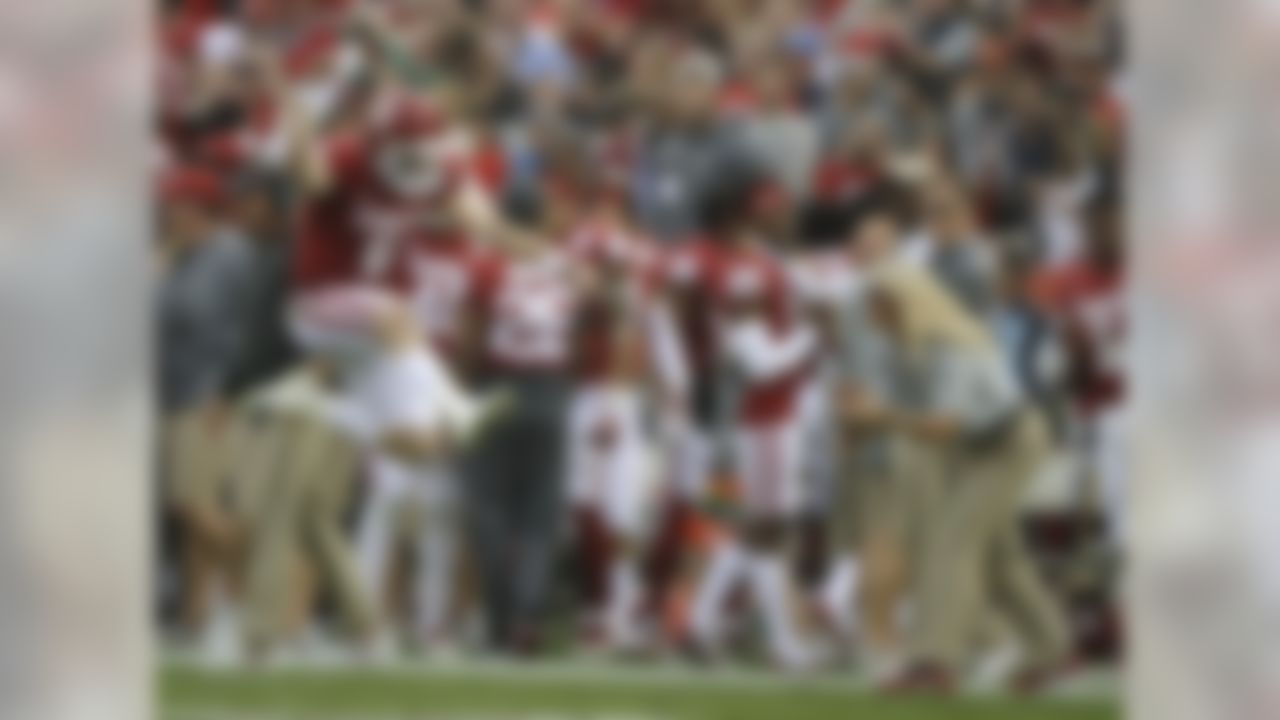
x=686, y=149
x=778, y=132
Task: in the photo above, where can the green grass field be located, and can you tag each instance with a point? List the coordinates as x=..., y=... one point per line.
x=579, y=693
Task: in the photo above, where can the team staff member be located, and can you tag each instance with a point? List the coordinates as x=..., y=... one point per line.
x=975, y=565
x=873, y=518
x=293, y=474
x=201, y=327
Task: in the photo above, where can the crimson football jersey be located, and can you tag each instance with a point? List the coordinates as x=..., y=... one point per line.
x=751, y=280
x=357, y=230
x=445, y=276
x=751, y=285
x=529, y=308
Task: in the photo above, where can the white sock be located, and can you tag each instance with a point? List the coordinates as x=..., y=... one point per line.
x=771, y=585
x=726, y=565
x=372, y=544
x=625, y=589
x=839, y=595
x=435, y=581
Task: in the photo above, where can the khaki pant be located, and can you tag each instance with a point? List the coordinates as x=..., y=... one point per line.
x=892, y=500
x=293, y=477
x=196, y=488
x=887, y=497
x=195, y=461
x=976, y=569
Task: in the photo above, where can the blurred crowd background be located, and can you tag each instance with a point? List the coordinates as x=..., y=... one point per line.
x=978, y=140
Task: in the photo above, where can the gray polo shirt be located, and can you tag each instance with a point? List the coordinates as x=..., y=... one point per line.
x=974, y=385
x=202, y=319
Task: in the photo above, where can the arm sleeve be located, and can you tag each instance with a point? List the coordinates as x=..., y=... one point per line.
x=762, y=354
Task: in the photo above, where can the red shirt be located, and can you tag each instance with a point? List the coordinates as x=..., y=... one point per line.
x=529, y=307
x=446, y=273
x=752, y=282
x=749, y=280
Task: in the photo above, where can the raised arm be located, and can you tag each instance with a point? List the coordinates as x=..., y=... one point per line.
x=302, y=152
x=476, y=211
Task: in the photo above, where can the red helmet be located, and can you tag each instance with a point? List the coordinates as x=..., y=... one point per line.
x=410, y=155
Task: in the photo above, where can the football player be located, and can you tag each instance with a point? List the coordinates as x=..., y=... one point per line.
x=765, y=341
x=611, y=474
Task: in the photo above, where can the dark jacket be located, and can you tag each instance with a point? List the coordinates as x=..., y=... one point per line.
x=202, y=320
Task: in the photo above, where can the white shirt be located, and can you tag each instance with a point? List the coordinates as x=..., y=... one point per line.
x=403, y=391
